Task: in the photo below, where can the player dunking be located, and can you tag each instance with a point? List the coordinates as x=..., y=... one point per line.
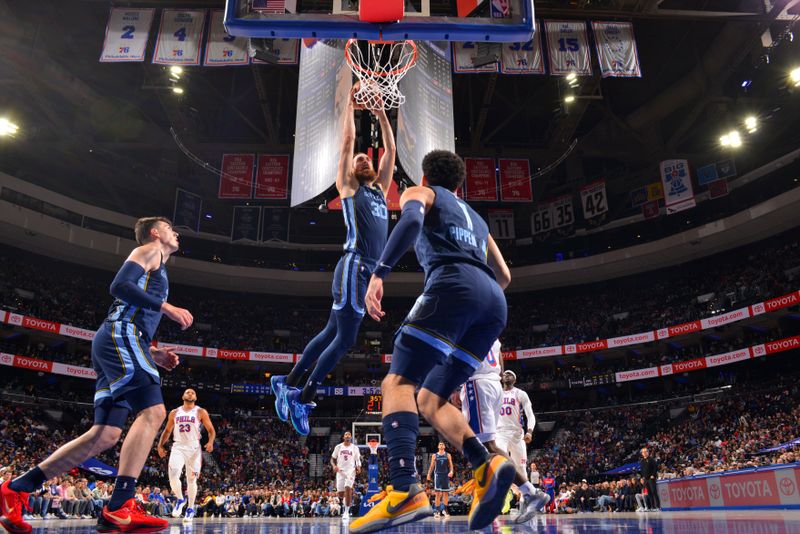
x=481, y=403
x=363, y=193
x=346, y=462
x=442, y=341
x=184, y=422
x=441, y=468
x=127, y=382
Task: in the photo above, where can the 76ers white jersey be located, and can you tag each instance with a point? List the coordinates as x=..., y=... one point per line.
x=187, y=427
x=514, y=400
x=348, y=457
x=490, y=366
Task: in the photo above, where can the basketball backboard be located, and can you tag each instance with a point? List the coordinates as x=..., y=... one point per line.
x=429, y=20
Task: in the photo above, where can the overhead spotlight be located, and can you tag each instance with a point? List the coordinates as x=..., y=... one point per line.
x=177, y=90
x=731, y=139
x=176, y=71
x=751, y=123
x=572, y=76
x=569, y=99
x=746, y=83
x=8, y=128
x=795, y=76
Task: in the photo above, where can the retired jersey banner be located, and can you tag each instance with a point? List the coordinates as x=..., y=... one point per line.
x=616, y=49
x=501, y=224
x=542, y=219
x=515, y=180
x=223, y=49
x=246, y=223
x=481, y=183
x=567, y=47
x=593, y=199
x=126, y=34
x=179, y=37
x=677, y=180
x=523, y=58
x=272, y=177
x=236, y=178
x=463, y=56
x=562, y=211
x=188, y=207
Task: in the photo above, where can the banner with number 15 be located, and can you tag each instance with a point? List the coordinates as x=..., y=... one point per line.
x=126, y=34
x=179, y=37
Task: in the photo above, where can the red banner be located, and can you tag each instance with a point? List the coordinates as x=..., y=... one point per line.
x=515, y=180
x=272, y=177
x=481, y=181
x=236, y=178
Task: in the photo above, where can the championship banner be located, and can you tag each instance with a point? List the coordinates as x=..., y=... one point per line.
x=287, y=50
x=236, y=178
x=463, y=56
x=246, y=223
x=523, y=58
x=223, y=49
x=481, y=182
x=567, y=47
x=616, y=49
x=188, y=207
x=678, y=192
x=562, y=211
x=127, y=32
x=179, y=37
x=718, y=188
x=542, y=219
x=501, y=224
x=275, y=224
x=515, y=180
x=272, y=177
x=593, y=199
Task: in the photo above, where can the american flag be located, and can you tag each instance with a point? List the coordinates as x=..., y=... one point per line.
x=270, y=6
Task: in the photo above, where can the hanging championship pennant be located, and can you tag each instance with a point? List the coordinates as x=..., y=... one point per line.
x=568, y=47
x=223, y=49
x=179, y=37
x=593, y=199
x=272, y=177
x=481, y=182
x=464, y=55
x=616, y=49
x=515, y=180
x=236, y=178
x=523, y=58
x=678, y=192
x=126, y=34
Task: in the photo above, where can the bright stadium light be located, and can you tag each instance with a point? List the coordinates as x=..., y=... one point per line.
x=751, y=123
x=176, y=71
x=571, y=76
x=177, y=90
x=731, y=139
x=725, y=140
x=569, y=99
x=795, y=76
x=8, y=128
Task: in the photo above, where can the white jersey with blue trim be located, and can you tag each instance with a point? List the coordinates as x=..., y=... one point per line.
x=490, y=366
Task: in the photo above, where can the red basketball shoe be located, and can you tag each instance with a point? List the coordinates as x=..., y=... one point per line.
x=11, y=505
x=130, y=518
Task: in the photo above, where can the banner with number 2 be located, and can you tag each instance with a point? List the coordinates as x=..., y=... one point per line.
x=126, y=34
x=179, y=37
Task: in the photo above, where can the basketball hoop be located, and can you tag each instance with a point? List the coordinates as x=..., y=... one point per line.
x=379, y=66
x=373, y=446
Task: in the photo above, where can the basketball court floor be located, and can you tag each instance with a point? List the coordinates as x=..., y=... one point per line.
x=734, y=522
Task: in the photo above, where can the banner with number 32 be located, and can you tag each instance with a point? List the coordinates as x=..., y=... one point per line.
x=126, y=34
x=179, y=37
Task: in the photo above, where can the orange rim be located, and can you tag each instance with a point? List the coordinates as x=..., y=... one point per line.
x=395, y=72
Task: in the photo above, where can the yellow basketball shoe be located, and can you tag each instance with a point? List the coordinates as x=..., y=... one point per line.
x=397, y=508
x=493, y=479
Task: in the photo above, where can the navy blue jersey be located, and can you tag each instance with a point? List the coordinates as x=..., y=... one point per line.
x=367, y=219
x=442, y=465
x=452, y=233
x=154, y=283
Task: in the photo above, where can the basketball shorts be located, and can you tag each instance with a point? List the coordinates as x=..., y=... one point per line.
x=441, y=482
x=516, y=448
x=480, y=404
x=345, y=478
x=189, y=457
x=127, y=378
x=350, y=281
x=458, y=316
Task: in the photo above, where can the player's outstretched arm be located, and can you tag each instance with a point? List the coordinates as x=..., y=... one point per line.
x=346, y=182
x=386, y=165
x=498, y=264
x=165, y=434
x=212, y=432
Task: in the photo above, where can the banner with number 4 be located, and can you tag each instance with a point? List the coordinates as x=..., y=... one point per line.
x=179, y=37
x=126, y=34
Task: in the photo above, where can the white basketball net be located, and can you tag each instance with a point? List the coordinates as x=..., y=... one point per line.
x=380, y=67
x=373, y=446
